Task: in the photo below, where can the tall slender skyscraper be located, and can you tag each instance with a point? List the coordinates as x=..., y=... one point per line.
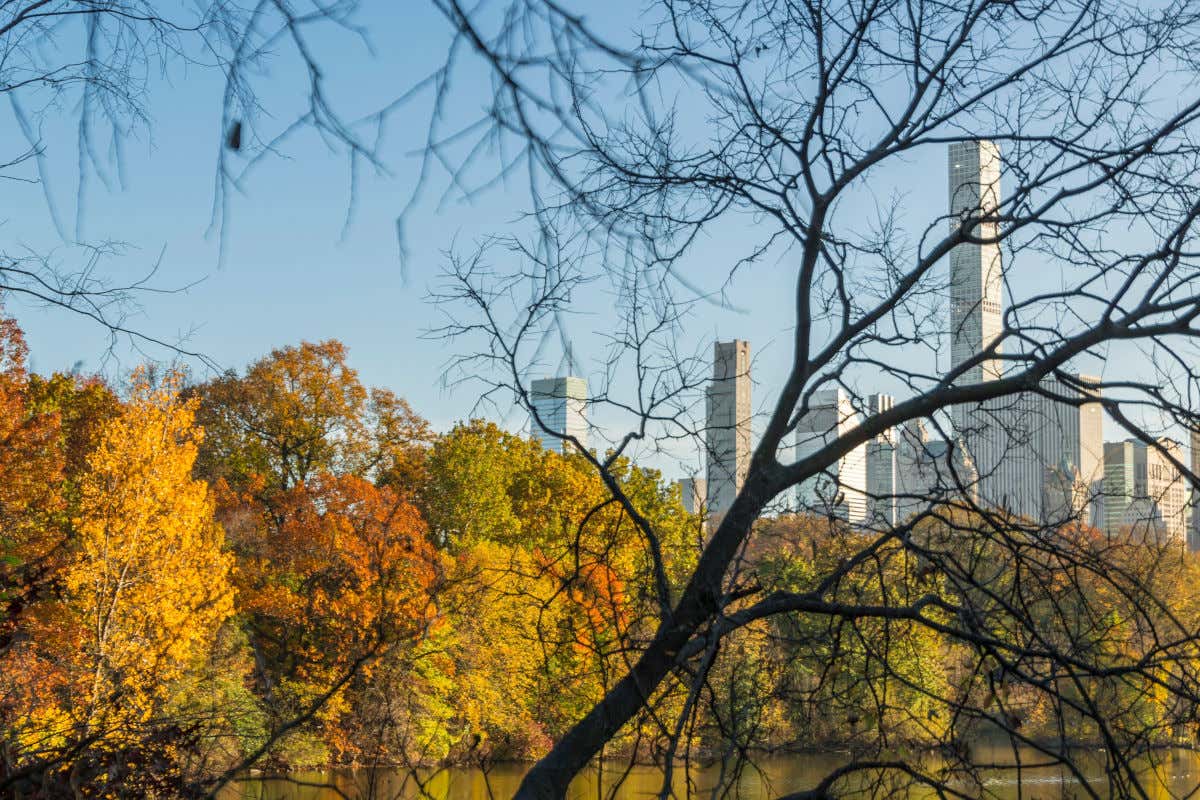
x=976, y=281
x=727, y=432
x=1017, y=441
x=976, y=272
x=561, y=404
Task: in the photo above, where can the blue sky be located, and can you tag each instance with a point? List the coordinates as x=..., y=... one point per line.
x=289, y=274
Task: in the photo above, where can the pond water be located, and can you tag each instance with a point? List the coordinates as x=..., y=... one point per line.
x=1174, y=774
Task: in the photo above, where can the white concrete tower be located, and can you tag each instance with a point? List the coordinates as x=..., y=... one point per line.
x=727, y=432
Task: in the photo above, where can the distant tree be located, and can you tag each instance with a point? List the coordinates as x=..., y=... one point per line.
x=302, y=411
x=316, y=478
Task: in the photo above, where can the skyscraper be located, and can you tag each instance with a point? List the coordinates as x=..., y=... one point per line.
x=1194, y=534
x=727, y=432
x=692, y=493
x=1145, y=492
x=841, y=490
x=1120, y=479
x=1165, y=490
x=1019, y=442
x=881, y=467
x=976, y=284
x=561, y=405
x=930, y=471
x=976, y=273
x=913, y=473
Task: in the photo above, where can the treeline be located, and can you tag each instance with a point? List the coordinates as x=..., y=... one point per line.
x=283, y=568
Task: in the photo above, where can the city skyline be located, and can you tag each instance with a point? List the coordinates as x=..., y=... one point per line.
x=1037, y=454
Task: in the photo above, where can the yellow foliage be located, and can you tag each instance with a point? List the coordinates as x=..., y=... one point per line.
x=150, y=584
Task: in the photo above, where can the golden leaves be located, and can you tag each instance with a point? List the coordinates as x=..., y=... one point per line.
x=150, y=582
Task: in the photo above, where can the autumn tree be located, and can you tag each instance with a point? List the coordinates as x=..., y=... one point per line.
x=30, y=471
x=550, y=581
x=302, y=411
x=316, y=477
x=83, y=404
x=144, y=591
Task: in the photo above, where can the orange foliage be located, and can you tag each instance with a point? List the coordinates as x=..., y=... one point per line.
x=334, y=566
x=141, y=591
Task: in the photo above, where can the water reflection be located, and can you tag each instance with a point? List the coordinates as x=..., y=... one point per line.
x=1174, y=774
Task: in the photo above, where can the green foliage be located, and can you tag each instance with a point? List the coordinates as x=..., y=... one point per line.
x=474, y=474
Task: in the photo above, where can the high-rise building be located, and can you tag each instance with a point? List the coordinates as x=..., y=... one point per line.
x=1167, y=489
x=692, y=491
x=561, y=406
x=1017, y=443
x=912, y=477
x=881, y=468
x=1194, y=534
x=1065, y=498
x=930, y=471
x=1120, y=480
x=841, y=489
x=976, y=286
x=727, y=432
x=1018, y=440
x=976, y=273
x=1145, y=492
